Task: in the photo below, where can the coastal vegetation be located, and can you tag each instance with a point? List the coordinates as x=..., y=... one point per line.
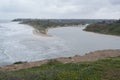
x=104, y=27
x=42, y=25
x=106, y=69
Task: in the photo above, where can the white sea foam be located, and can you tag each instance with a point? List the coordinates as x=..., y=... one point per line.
x=18, y=43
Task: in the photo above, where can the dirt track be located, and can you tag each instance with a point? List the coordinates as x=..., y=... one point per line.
x=92, y=56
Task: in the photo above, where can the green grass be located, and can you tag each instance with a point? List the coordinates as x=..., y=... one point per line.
x=107, y=69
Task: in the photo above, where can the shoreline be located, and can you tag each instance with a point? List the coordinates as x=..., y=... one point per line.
x=44, y=32
x=37, y=32
x=105, y=28
x=102, y=33
x=91, y=56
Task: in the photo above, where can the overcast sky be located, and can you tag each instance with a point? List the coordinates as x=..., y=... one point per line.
x=77, y=9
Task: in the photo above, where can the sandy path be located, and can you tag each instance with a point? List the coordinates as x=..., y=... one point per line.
x=92, y=56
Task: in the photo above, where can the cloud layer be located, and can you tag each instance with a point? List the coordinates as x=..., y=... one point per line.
x=77, y=9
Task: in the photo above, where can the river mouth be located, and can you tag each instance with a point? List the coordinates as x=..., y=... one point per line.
x=18, y=43
x=82, y=42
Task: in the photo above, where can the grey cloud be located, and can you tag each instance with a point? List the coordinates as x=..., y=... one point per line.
x=60, y=8
x=116, y=2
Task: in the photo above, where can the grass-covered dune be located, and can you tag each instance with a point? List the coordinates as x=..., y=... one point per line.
x=106, y=69
x=112, y=28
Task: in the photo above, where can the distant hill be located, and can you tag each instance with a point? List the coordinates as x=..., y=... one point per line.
x=104, y=27
x=73, y=21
